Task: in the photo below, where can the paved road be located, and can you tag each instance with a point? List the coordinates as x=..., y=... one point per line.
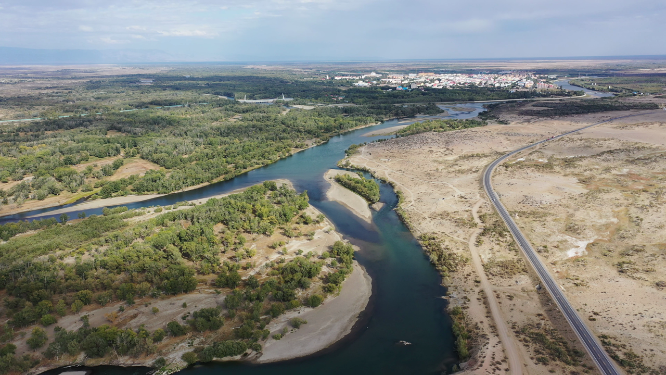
x=593, y=347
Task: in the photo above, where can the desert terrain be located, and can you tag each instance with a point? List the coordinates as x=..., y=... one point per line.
x=592, y=202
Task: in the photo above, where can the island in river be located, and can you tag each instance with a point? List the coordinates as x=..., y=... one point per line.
x=207, y=298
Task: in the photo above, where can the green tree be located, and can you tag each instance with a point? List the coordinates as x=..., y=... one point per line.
x=48, y=319
x=176, y=329
x=77, y=306
x=37, y=338
x=315, y=300
x=60, y=308
x=190, y=358
x=158, y=335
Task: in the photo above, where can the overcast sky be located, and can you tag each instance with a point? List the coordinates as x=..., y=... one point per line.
x=272, y=30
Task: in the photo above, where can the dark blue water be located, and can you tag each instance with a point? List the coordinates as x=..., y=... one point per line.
x=406, y=303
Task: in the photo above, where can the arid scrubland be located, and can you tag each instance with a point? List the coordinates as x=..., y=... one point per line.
x=593, y=204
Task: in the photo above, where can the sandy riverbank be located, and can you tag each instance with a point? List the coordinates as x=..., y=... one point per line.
x=386, y=131
x=99, y=203
x=354, y=202
x=326, y=325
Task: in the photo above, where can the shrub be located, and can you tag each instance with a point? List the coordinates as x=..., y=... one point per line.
x=77, y=306
x=37, y=338
x=207, y=319
x=158, y=335
x=190, y=357
x=159, y=362
x=48, y=319
x=297, y=322
x=315, y=300
x=176, y=329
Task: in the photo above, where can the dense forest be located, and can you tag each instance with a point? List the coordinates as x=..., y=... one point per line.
x=189, y=146
x=367, y=188
x=379, y=95
x=577, y=107
x=105, y=259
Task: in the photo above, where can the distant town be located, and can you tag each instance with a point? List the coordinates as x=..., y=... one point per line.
x=508, y=80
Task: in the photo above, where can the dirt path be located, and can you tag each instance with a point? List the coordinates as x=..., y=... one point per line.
x=512, y=353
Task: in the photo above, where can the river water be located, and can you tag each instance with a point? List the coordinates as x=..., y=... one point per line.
x=406, y=302
x=567, y=86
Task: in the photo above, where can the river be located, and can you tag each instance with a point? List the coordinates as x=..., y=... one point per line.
x=406, y=302
x=567, y=86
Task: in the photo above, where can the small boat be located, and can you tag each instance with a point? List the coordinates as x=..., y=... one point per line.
x=403, y=342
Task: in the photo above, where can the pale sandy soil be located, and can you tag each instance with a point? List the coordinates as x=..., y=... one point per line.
x=325, y=325
x=386, y=131
x=97, y=203
x=96, y=164
x=439, y=175
x=605, y=240
x=354, y=202
x=134, y=167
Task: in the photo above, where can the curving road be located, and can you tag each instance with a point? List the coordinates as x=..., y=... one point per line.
x=589, y=341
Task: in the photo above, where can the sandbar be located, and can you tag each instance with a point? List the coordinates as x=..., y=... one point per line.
x=326, y=324
x=354, y=202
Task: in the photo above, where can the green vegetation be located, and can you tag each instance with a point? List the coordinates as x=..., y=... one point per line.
x=377, y=95
x=116, y=260
x=439, y=126
x=365, y=187
x=629, y=84
x=297, y=322
x=441, y=256
x=463, y=332
x=550, y=346
x=200, y=138
x=9, y=363
x=577, y=107
x=631, y=362
x=37, y=338
x=505, y=267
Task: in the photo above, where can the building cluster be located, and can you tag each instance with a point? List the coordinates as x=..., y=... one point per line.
x=363, y=76
x=508, y=80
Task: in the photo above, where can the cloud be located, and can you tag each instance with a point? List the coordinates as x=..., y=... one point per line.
x=340, y=29
x=189, y=32
x=110, y=40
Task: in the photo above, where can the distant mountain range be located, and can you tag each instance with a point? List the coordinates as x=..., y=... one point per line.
x=28, y=56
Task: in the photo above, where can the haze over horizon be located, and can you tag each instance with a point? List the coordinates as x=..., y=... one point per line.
x=316, y=30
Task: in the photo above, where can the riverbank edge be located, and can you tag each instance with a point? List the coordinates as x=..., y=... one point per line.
x=134, y=198
x=352, y=201
x=461, y=330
